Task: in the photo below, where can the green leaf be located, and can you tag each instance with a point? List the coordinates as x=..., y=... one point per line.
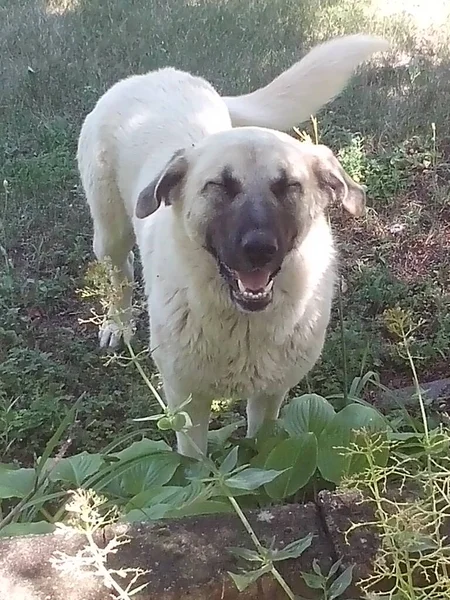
x=244, y=553
x=334, y=568
x=308, y=413
x=125, y=479
x=76, y=469
x=27, y=529
x=149, y=513
x=149, y=471
x=199, y=470
x=7, y=467
x=201, y=507
x=17, y=483
x=251, y=479
x=344, y=430
x=192, y=499
x=315, y=582
x=171, y=495
x=195, y=491
x=243, y=580
x=230, y=461
x=217, y=438
x=270, y=430
x=359, y=383
x=143, y=447
x=265, y=448
x=298, y=457
x=56, y=437
x=316, y=568
x=294, y=549
x=123, y=440
x=339, y=585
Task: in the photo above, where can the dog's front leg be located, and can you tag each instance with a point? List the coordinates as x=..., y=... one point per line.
x=194, y=441
x=261, y=408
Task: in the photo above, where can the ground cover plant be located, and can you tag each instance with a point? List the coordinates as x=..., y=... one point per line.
x=78, y=411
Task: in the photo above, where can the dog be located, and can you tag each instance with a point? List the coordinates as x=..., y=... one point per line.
x=228, y=215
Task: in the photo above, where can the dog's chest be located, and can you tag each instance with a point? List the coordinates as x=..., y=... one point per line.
x=226, y=354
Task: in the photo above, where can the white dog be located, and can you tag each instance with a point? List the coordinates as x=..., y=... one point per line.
x=239, y=261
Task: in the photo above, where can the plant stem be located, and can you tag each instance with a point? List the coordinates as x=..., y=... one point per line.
x=282, y=583
x=259, y=547
x=418, y=390
x=246, y=524
x=343, y=344
x=145, y=378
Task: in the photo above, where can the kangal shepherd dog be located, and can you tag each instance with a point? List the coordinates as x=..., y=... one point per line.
x=228, y=214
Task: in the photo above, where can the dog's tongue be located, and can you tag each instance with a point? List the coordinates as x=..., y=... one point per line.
x=255, y=280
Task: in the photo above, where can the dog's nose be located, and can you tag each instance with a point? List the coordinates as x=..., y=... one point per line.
x=259, y=248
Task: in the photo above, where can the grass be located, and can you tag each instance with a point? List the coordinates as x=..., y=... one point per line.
x=390, y=126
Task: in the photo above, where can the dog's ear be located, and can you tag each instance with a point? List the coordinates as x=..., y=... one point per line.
x=164, y=187
x=335, y=184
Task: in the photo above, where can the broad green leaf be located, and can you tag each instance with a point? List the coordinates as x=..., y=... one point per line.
x=251, y=479
x=246, y=554
x=149, y=471
x=179, y=500
x=125, y=479
x=299, y=457
x=339, y=585
x=39, y=499
x=313, y=581
x=123, y=440
x=27, y=529
x=308, y=413
x=142, y=448
x=76, y=469
x=198, y=470
x=171, y=495
x=217, y=438
x=265, y=448
x=270, y=430
x=243, y=580
x=294, y=549
x=195, y=491
x=201, y=507
x=17, y=483
x=230, y=461
x=149, y=513
x=345, y=429
x=8, y=467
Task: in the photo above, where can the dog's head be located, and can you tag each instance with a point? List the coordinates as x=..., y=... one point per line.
x=249, y=196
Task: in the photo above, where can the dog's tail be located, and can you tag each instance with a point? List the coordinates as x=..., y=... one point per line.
x=302, y=90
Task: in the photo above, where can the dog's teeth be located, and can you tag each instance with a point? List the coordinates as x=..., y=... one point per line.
x=241, y=286
x=253, y=296
x=250, y=295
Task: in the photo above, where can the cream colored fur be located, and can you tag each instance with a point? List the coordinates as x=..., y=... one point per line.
x=202, y=344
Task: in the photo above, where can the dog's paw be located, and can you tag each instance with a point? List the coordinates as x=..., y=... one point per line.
x=112, y=333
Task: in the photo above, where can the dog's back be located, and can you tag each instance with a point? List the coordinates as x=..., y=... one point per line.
x=141, y=121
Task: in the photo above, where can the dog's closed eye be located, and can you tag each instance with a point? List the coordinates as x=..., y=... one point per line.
x=227, y=182
x=282, y=186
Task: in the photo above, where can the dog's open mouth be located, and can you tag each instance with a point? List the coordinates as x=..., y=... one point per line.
x=252, y=291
